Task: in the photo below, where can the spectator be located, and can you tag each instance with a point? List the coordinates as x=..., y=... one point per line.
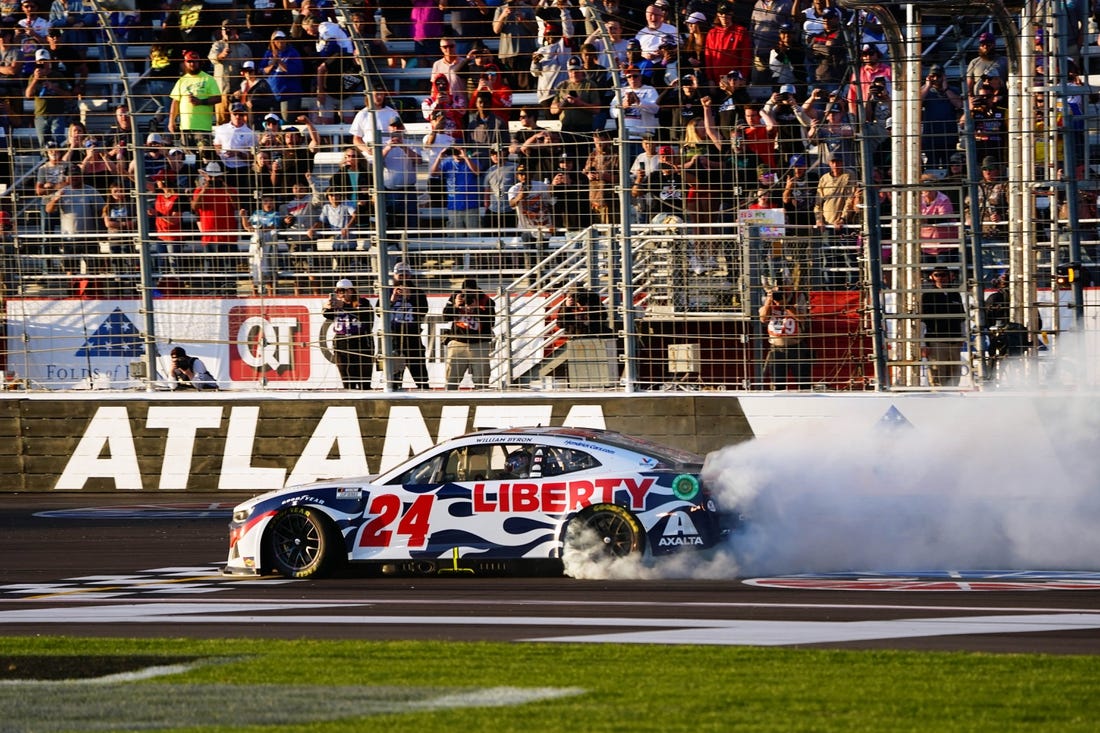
x=571, y=208
x=352, y=181
x=53, y=172
x=989, y=123
x=460, y=173
x=296, y=218
x=729, y=47
x=333, y=55
x=426, y=25
x=352, y=319
x=613, y=57
x=548, y=65
x=337, y=216
x=443, y=103
x=514, y=23
x=483, y=129
x=798, y=198
x=234, y=142
x=227, y=54
x=877, y=119
x=836, y=200
x=492, y=82
x=532, y=202
x=664, y=187
x=656, y=29
x=758, y=135
x=829, y=50
x=984, y=63
x=193, y=98
x=833, y=136
x=98, y=171
x=787, y=61
x=637, y=104
x=406, y=315
x=787, y=363
x=943, y=317
x=189, y=372
x=437, y=141
x=166, y=214
x=377, y=115
x=583, y=315
x=790, y=122
x=52, y=95
x=989, y=214
x=69, y=59
x=263, y=248
x=254, y=91
x=602, y=170
x=270, y=136
x=449, y=67
x=937, y=223
x=79, y=207
x=119, y=214
x=873, y=71
x=767, y=16
x=576, y=103
x=215, y=205
x=645, y=162
x=531, y=144
x=399, y=165
x=954, y=180
x=282, y=65
x=497, y=181
x=472, y=315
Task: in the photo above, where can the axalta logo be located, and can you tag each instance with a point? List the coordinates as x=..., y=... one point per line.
x=108, y=448
x=680, y=531
x=269, y=342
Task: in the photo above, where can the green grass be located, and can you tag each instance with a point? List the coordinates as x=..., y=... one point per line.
x=624, y=687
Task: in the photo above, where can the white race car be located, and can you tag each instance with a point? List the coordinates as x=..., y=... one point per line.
x=484, y=499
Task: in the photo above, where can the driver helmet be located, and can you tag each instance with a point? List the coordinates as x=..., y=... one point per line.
x=517, y=462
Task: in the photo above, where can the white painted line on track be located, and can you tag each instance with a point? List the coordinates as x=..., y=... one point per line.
x=628, y=630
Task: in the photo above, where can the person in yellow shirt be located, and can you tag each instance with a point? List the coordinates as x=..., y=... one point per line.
x=193, y=99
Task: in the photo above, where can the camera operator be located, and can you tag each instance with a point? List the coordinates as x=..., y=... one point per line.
x=472, y=314
x=189, y=372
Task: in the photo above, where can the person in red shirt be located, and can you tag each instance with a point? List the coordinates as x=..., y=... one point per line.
x=728, y=46
x=215, y=205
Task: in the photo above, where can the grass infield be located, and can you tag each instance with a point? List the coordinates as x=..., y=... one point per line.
x=323, y=686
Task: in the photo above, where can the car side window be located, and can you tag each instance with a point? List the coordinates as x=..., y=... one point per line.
x=557, y=461
x=428, y=472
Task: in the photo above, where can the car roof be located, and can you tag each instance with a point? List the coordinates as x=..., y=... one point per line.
x=611, y=438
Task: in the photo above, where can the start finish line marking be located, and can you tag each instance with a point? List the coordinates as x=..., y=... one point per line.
x=937, y=581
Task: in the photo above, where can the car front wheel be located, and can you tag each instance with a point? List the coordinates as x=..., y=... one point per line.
x=300, y=543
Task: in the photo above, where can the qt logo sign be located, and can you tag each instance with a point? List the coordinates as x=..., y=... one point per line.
x=269, y=342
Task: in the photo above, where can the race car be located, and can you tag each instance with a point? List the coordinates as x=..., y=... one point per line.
x=482, y=500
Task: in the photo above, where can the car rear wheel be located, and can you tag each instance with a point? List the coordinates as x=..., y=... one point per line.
x=605, y=530
x=301, y=542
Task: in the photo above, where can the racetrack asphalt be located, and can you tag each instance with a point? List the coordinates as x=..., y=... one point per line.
x=147, y=565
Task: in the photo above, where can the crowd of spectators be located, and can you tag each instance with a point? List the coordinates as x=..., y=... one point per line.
x=244, y=91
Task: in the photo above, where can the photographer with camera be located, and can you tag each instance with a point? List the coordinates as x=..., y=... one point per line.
x=472, y=315
x=352, y=343
x=189, y=372
x=406, y=314
x=783, y=314
x=940, y=108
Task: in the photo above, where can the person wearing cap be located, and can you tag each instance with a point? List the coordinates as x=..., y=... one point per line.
x=284, y=69
x=940, y=107
x=68, y=56
x=829, y=50
x=548, y=64
x=254, y=91
x=52, y=94
x=787, y=61
x=227, y=53
x=767, y=16
x=472, y=314
x=399, y=168
x=351, y=337
x=570, y=196
x=989, y=121
x=783, y=314
x=943, y=317
x=986, y=61
x=442, y=102
x=990, y=210
x=216, y=206
x=461, y=174
x=233, y=143
x=405, y=317
x=194, y=95
x=51, y=174
x=837, y=195
x=576, y=103
x=637, y=104
x=873, y=71
x=334, y=58
x=498, y=179
x=728, y=45
x=790, y=121
x=798, y=197
x=533, y=204
x=484, y=128
x=188, y=372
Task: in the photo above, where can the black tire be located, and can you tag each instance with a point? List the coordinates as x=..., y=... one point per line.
x=617, y=531
x=301, y=543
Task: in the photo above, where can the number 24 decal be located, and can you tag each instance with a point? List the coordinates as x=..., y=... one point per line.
x=412, y=524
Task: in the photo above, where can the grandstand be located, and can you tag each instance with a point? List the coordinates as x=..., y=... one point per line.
x=967, y=142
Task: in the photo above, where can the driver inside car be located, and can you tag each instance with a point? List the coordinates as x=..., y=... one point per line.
x=517, y=464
